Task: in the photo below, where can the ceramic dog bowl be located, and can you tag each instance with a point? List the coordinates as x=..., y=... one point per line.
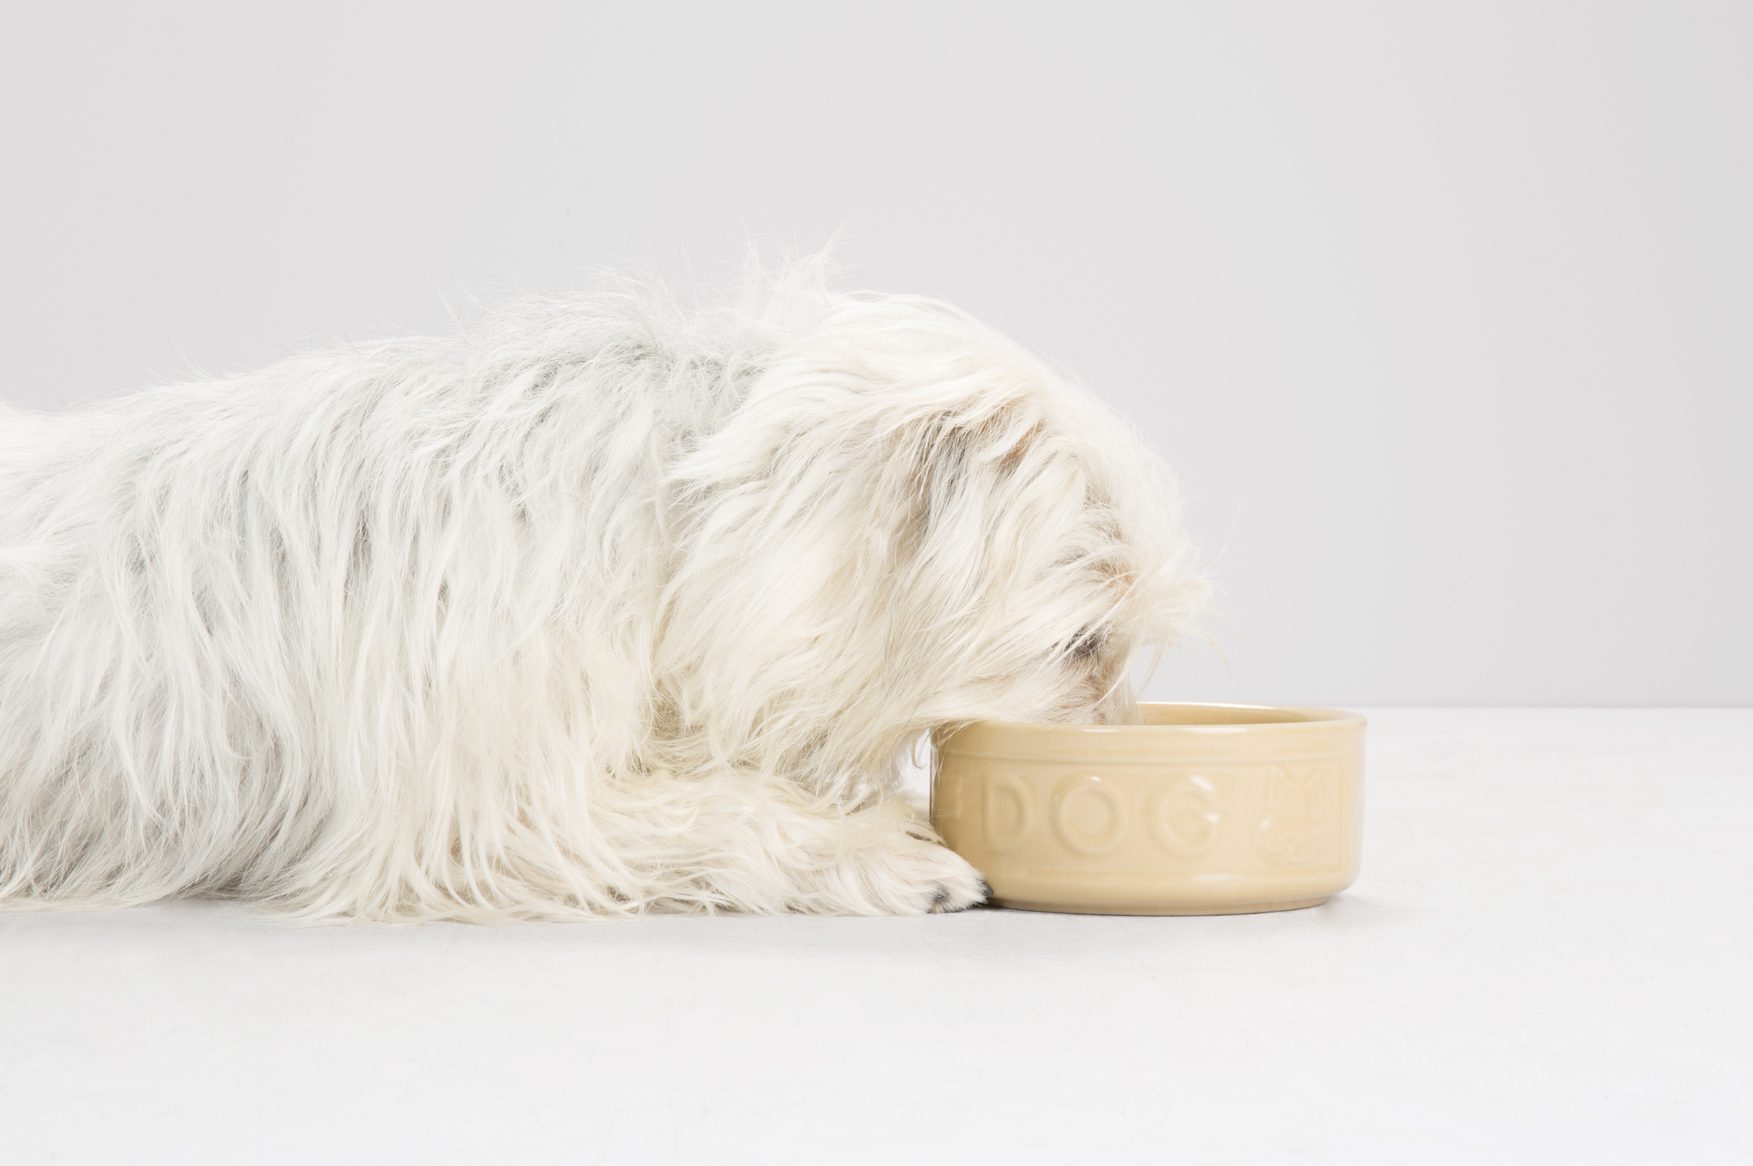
x=1197, y=810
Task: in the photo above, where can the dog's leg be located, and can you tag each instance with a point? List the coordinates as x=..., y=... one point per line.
x=765, y=845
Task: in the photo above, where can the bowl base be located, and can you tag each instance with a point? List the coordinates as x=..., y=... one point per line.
x=1215, y=909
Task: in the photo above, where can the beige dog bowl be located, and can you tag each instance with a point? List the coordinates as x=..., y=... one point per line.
x=1198, y=810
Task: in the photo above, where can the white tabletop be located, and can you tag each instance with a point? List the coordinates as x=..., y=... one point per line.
x=1545, y=959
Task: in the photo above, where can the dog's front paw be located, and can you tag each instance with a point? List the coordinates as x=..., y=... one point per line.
x=910, y=875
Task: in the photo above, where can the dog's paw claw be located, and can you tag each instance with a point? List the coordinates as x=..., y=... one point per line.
x=957, y=889
x=912, y=876
x=900, y=870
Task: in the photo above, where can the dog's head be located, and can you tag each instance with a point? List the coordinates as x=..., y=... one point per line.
x=909, y=522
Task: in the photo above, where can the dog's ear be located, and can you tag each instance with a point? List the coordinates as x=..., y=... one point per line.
x=953, y=458
x=798, y=529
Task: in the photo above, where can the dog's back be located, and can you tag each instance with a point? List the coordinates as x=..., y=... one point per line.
x=257, y=633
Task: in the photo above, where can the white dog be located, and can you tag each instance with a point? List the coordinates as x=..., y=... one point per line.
x=602, y=607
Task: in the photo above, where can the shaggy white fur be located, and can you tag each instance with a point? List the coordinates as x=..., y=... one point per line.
x=601, y=607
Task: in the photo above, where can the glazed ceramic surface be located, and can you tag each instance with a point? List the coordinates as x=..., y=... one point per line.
x=1198, y=810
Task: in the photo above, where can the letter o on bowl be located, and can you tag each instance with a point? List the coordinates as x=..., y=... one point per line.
x=1087, y=815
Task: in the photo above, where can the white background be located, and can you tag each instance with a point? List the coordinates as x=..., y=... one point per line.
x=1441, y=311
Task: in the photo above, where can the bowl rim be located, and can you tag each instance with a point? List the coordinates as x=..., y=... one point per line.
x=1306, y=717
